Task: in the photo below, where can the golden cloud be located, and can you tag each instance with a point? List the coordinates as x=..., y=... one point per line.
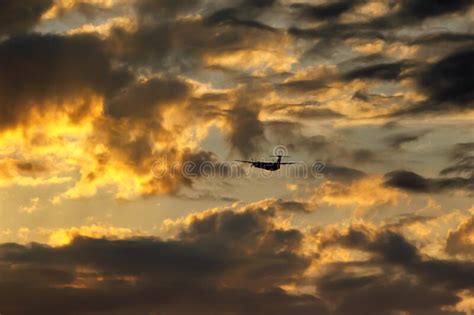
x=64, y=236
x=362, y=194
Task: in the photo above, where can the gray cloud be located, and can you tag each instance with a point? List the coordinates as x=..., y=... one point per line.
x=462, y=155
x=398, y=140
x=386, y=71
x=21, y=16
x=43, y=71
x=226, y=262
x=143, y=99
x=412, y=182
x=396, y=266
x=325, y=11
x=448, y=84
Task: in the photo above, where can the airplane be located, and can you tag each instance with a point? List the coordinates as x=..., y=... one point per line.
x=268, y=166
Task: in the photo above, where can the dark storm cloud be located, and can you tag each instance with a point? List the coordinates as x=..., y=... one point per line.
x=230, y=263
x=223, y=263
x=413, y=182
x=325, y=11
x=21, y=16
x=161, y=46
x=165, y=42
x=448, y=84
x=415, y=11
x=395, y=265
x=42, y=72
x=247, y=131
x=260, y=3
x=142, y=99
x=381, y=71
x=419, y=9
x=451, y=80
x=154, y=9
x=385, y=71
x=443, y=38
x=404, y=13
x=181, y=45
x=357, y=294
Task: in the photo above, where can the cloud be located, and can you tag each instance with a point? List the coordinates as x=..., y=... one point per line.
x=65, y=236
x=165, y=9
x=246, y=129
x=21, y=16
x=364, y=156
x=230, y=261
x=227, y=262
x=314, y=113
x=290, y=134
x=29, y=173
x=420, y=9
x=178, y=45
x=460, y=240
x=394, y=264
x=412, y=182
x=230, y=16
x=398, y=140
x=324, y=11
x=342, y=173
x=243, y=13
x=362, y=192
x=447, y=85
x=143, y=99
x=41, y=73
x=414, y=12
x=462, y=154
x=444, y=37
x=88, y=8
x=450, y=79
x=34, y=202
x=386, y=71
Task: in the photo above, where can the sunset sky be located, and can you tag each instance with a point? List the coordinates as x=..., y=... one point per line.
x=120, y=124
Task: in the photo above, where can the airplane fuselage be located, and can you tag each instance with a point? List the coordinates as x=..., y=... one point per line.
x=269, y=166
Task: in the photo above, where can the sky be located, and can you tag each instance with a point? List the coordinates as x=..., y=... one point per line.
x=121, y=122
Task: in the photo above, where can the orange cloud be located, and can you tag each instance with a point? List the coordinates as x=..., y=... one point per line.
x=64, y=236
x=362, y=194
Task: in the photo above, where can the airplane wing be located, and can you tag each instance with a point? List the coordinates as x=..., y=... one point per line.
x=244, y=161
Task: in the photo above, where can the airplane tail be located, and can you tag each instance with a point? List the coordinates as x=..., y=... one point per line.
x=279, y=157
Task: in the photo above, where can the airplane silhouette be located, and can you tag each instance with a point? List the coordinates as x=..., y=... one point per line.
x=269, y=166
